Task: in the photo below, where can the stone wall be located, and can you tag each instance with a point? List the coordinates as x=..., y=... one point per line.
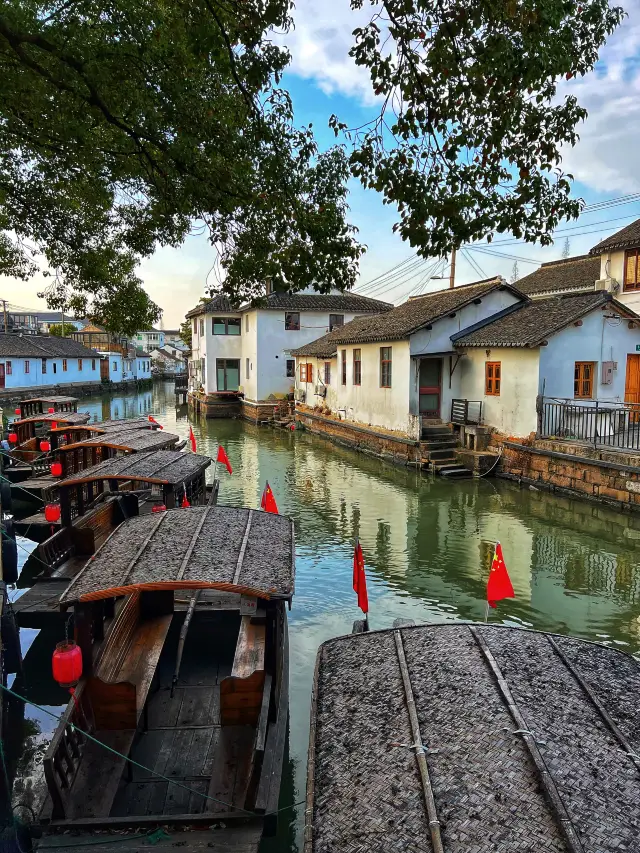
x=396, y=448
x=604, y=476
x=212, y=406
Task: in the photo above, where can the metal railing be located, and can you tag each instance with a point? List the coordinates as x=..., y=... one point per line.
x=466, y=412
x=601, y=424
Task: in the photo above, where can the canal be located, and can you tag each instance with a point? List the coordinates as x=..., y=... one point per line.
x=427, y=544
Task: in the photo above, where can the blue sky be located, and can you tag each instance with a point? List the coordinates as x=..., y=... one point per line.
x=323, y=80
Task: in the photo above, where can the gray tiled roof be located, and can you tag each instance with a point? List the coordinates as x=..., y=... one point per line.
x=579, y=273
x=402, y=321
x=219, y=303
x=320, y=302
x=624, y=239
x=536, y=321
x=42, y=346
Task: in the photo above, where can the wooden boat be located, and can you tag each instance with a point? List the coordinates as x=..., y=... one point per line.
x=199, y=699
x=42, y=405
x=461, y=737
x=36, y=428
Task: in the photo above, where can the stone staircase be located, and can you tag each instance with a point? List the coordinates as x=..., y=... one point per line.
x=438, y=446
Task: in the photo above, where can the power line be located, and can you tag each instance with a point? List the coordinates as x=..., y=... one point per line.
x=502, y=255
x=473, y=263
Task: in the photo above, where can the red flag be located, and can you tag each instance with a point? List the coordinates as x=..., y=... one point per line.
x=360, y=579
x=222, y=457
x=154, y=421
x=499, y=583
x=268, y=502
x=192, y=439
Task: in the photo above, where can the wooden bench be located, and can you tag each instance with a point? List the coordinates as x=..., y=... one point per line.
x=83, y=777
x=241, y=693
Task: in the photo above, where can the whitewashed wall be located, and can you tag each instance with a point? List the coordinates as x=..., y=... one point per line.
x=612, y=266
x=514, y=411
x=54, y=375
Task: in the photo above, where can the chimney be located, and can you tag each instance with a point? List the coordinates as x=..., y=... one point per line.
x=268, y=285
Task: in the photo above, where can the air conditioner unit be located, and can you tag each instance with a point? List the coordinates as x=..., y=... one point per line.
x=610, y=285
x=321, y=391
x=300, y=395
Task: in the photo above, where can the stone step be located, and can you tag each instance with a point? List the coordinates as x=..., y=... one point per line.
x=439, y=443
x=440, y=454
x=429, y=431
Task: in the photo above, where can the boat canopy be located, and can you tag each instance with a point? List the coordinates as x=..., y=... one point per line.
x=167, y=467
x=38, y=405
x=132, y=440
x=214, y=547
x=59, y=399
x=72, y=418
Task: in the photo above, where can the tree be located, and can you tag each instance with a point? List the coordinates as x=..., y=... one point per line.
x=57, y=330
x=125, y=126
x=186, y=332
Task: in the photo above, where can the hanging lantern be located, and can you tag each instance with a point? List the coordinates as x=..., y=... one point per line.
x=51, y=410
x=66, y=664
x=52, y=512
x=16, y=411
x=56, y=469
x=45, y=446
x=185, y=502
x=54, y=425
x=158, y=508
x=13, y=438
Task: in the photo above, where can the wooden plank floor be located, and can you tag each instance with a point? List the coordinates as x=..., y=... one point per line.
x=39, y=606
x=236, y=839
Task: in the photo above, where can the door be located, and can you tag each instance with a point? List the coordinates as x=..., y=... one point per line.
x=228, y=374
x=632, y=385
x=430, y=387
x=1, y=375
x=104, y=368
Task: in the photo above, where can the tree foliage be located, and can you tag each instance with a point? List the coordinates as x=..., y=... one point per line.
x=186, y=332
x=60, y=330
x=128, y=125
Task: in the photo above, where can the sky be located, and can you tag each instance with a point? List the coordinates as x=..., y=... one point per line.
x=323, y=80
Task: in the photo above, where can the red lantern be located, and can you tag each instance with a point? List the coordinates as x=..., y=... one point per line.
x=185, y=502
x=66, y=664
x=51, y=410
x=13, y=438
x=52, y=512
x=56, y=469
x=45, y=446
x=54, y=425
x=17, y=411
x=158, y=508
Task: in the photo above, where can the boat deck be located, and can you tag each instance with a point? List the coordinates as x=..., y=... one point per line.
x=531, y=742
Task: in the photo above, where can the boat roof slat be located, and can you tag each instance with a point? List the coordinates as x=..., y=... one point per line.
x=71, y=418
x=243, y=548
x=193, y=548
x=170, y=467
x=126, y=439
x=53, y=399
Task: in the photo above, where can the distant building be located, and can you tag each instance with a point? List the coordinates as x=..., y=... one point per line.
x=100, y=339
x=149, y=339
x=19, y=322
x=30, y=362
x=46, y=319
x=165, y=361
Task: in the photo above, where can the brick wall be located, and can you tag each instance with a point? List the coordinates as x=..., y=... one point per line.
x=399, y=449
x=573, y=468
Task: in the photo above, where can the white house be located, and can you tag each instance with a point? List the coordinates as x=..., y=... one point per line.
x=486, y=343
x=247, y=350
x=168, y=362
x=38, y=361
x=149, y=339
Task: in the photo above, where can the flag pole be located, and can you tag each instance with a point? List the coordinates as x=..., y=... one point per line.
x=486, y=612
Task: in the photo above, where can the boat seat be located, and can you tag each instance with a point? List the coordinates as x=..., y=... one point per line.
x=241, y=693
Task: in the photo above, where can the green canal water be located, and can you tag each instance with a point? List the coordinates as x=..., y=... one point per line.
x=427, y=544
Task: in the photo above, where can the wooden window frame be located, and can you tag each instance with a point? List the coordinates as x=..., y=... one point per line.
x=343, y=367
x=386, y=367
x=80, y=365
x=27, y=366
x=630, y=286
x=327, y=373
x=357, y=367
x=306, y=372
x=336, y=321
x=8, y=368
x=290, y=368
x=289, y=324
x=579, y=379
x=43, y=366
x=492, y=378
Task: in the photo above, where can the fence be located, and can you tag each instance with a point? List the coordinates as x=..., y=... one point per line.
x=466, y=412
x=601, y=424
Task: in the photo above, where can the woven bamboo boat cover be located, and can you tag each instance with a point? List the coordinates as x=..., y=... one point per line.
x=241, y=549
x=161, y=466
x=532, y=744
x=72, y=418
x=129, y=439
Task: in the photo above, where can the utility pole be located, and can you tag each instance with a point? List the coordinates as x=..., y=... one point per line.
x=4, y=306
x=452, y=274
x=63, y=334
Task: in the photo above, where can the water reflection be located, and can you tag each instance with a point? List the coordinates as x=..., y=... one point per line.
x=428, y=545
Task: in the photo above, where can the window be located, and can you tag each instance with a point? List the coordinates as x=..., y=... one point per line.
x=228, y=374
x=27, y=367
x=246, y=368
x=246, y=322
x=292, y=321
x=201, y=328
x=306, y=373
x=583, y=380
x=195, y=327
x=492, y=378
x=385, y=367
x=79, y=364
x=343, y=364
x=291, y=368
x=9, y=368
x=115, y=366
x=327, y=373
x=225, y=326
x=44, y=365
x=335, y=321
x=64, y=364
x=631, y=270
x=357, y=367
x=55, y=367
x=93, y=364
